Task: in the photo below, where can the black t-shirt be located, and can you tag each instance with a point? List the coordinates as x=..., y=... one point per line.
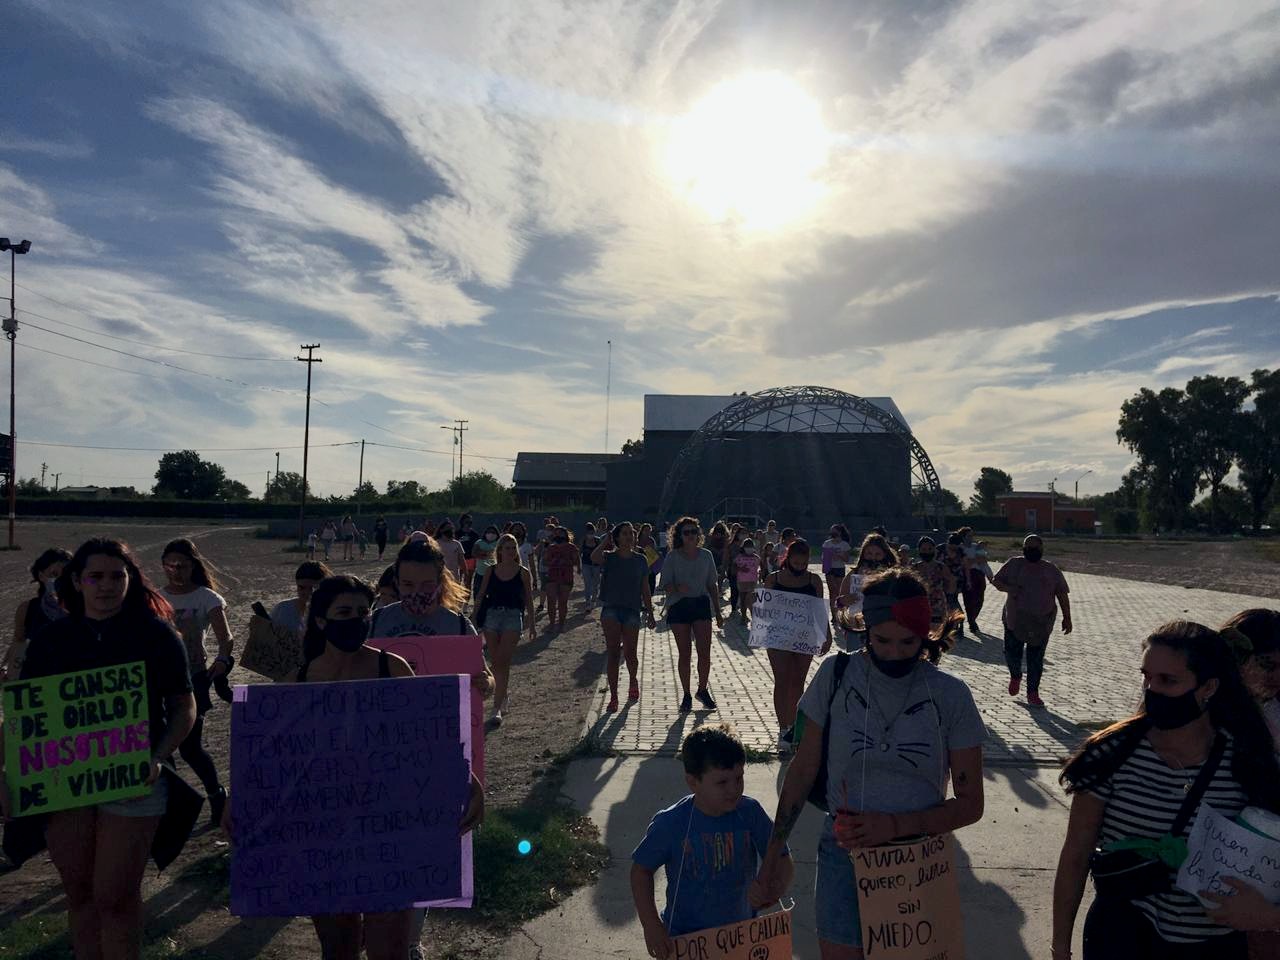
x=468, y=540
x=77, y=643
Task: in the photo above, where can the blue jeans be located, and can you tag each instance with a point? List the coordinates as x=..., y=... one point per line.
x=835, y=897
x=590, y=582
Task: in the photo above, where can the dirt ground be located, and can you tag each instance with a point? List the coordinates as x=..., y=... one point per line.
x=552, y=680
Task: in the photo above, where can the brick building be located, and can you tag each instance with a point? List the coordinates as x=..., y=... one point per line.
x=1045, y=512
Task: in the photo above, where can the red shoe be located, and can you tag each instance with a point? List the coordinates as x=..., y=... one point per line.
x=634, y=693
x=613, y=705
x=1033, y=698
x=1015, y=684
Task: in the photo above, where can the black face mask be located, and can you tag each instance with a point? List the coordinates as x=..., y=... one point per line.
x=927, y=556
x=347, y=635
x=1169, y=713
x=1033, y=554
x=797, y=571
x=895, y=669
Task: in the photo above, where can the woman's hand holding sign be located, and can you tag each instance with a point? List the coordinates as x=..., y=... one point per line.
x=855, y=829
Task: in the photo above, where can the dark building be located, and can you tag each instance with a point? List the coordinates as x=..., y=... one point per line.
x=806, y=474
x=560, y=479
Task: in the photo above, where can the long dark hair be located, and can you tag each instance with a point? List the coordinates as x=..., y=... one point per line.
x=141, y=599
x=1260, y=625
x=44, y=562
x=1231, y=708
x=899, y=583
x=203, y=572
x=326, y=591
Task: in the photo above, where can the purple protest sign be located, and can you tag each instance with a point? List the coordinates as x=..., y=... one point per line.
x=346, y=797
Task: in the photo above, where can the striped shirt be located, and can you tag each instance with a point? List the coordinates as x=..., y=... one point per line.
x=1143, y=798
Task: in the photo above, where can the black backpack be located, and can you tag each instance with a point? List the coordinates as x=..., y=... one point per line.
x=818, y=792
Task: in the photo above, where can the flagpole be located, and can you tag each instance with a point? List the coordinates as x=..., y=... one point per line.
x=608, y=390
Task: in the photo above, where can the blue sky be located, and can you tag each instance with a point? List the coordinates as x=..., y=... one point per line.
x=1006, y=216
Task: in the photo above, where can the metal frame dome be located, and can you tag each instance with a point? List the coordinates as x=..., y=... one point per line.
x=805, y=410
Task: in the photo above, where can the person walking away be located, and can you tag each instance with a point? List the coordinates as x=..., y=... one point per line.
x=790, y=670
x=1136, y=788
x=709, y=845
x=691, y=594
x=362, y=540
x=746, y=568
x=114, y=617
x=977, y=573
x=455, y=557
x=835, y=555
x=624, y=595
x=35, y=613
x=562, y=559
x=380, y=534
x=504, y=610
x=348, y=531
x=590, y=572
x=312, y=541
x=898, y=733
x=1034, y=589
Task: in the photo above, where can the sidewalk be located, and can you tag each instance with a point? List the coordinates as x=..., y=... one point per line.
x=1006, y=862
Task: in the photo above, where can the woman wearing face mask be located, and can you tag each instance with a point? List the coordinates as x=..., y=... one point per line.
x=38, y=612
x=791, y=669
x=590, y=572
x=729, y=562
x=1199, y=733
x=338, y=625
x=624, y=594
x=691, y=591
x=292, y=613
x=936, y=576
x=505, y=609
x=746, y=570
x=901, y=731
x=114, y=616
x=835, y=555
x=562, y=558
x=483, y=553
x=1034, y=590
x=198, y=609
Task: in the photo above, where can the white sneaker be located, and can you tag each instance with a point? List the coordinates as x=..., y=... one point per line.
x=497, y=717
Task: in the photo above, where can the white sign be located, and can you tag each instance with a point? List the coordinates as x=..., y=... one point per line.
x=795, y=622
x=1218, y=847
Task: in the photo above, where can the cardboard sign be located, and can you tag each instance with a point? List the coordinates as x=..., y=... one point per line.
x=440, y=656
x=346, y=797
x=1218, y=847
x=271, y=650
x=794, y=622
x=76, y=739
x=762, y=938
x=909, y=900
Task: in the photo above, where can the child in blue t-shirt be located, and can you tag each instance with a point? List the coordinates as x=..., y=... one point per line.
x=710, y=843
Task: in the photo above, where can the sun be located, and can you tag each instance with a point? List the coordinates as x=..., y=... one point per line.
x=749, y=150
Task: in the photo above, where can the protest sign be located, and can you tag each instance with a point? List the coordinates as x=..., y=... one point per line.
x=75, y=739
x=795, y=622
x=909, y=900
x=1218, y=847
x=761, y=938
x=437, y=656
x=271, y=650
x=346, y=797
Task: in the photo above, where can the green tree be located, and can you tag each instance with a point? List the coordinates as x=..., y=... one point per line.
x=233, y=490
x=1258, y=456
x=405, y=491
x=1213, y=415
x=633, y=449
x=367, y=492
x=921, y=505
x=31, y=487
x=481, y=490
x=1154, y=426
x=991, y=482
x=286, y=487
x=1231, y=513
x=184, y=475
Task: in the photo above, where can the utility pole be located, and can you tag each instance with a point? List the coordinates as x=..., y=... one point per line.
x=278, y=460
x=608, y=390
x=306, y=434
x=462, y=428
x=1053, y=502
x=44, y=468
x=360, y=482
x=56, y=478
x=11, y=331
x=267, y=488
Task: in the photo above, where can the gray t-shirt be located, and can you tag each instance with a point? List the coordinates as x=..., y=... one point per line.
x=698, y=576
x=623, y=580
x=929, y=713
x=394, y=621
x=285, y=614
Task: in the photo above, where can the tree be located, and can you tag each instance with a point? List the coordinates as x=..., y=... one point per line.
x=480, y=489
x=406, y=491
x=1258, y=456
x=286, y=488
x=1212, y=410
x=233, y=490
x=1231, y=513
x=633, y=449
x=1155, y=427
x=184, y=475
x=367, y=492
x=31, y=487
x=921, y=504
x=991, y=482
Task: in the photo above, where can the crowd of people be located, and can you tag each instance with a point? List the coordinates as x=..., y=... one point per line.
x=881, y=739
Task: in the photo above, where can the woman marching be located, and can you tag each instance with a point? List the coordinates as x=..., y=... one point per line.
x=835, y=554
x=691, y=592
x=624, y=595
x=1198, y=737
x=114, y=616
x=35, y=613
x=899, y=731
x=198, y=608
x=590, y=570
x=561, y=558
x=380, y=534
x=504, y=610
x=790, y=670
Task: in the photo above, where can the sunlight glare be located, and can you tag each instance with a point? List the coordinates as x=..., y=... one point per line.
x=748, y=151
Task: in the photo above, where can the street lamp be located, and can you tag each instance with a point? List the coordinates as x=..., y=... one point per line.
x=1078, y=479
x=11, y=331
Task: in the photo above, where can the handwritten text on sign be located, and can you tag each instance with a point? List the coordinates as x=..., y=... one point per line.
x=762, y=938
x=346, y=797
x=76, y=739
x=909, y=900
x=1218, y=847
x=794, y=622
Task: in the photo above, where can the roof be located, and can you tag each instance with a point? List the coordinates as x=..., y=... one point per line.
x=685, y=413
x=1042, y=495
x=561, y=469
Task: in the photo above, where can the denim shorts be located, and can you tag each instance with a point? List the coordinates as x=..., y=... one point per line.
x=151, y=804
x=690, y=610
x=835, y=896
x=625, y=616
x=504, y=620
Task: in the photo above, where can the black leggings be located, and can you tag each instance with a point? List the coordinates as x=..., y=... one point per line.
x=192, y=749
x=1117, y=930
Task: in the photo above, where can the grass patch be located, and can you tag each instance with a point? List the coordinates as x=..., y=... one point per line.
x=1268, y=550
x=42, y=937
x=755, y=755
x=510, y=888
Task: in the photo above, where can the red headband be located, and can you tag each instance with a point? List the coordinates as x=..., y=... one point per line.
x=914, y=613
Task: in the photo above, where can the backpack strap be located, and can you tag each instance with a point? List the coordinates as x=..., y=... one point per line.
x=1201, y=784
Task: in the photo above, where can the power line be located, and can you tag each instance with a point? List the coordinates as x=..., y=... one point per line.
x=277, y=446
x=396, y=446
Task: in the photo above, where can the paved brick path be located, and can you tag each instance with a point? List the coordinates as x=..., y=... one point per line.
x=1091, y=676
